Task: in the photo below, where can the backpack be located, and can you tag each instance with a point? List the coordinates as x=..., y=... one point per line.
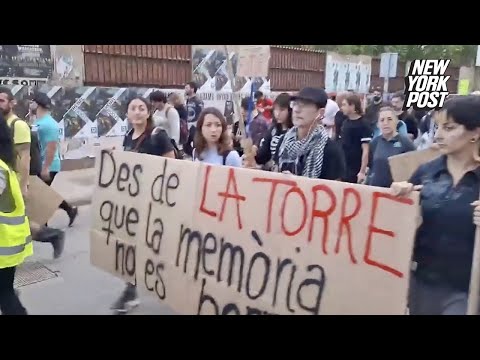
x=35, y=151
x=178, y=152
x=224, y=157
x=183, y=128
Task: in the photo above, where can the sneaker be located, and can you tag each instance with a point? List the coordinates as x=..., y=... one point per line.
x=127, y=301
x=72, y=216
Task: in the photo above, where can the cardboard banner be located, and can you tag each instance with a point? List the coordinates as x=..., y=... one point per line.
x=217, y=240
x=42, y=201
x=253, y=60
x=403, y=166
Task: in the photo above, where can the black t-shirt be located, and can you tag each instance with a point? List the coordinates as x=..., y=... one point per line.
x=354, y=134
x=158, y=144
x=333, y=167
x=411, y=122
x=339, y=119
x=268, y=145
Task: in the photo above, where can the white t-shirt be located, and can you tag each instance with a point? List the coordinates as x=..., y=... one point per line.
x=168, y=120
x=329, y=119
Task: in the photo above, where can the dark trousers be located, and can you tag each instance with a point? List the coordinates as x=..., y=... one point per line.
x=64, y=205
x=9, y=302
x=428, y=299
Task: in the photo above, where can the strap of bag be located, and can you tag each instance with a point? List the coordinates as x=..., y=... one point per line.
x=140, y=140
x=225, y=155
x=12, y=126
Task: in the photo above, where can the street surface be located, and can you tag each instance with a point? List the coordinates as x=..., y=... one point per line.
x=72, y=285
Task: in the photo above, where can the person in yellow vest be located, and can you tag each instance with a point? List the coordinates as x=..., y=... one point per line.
x=15, y=239
x=22, y=140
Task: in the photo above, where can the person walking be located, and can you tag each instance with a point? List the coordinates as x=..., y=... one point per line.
x=27, y=163
x=47, y=129
x=449, y=186
x=142, y=138
x=15, y=239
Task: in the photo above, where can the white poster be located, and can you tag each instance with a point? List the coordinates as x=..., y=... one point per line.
x=348, y=73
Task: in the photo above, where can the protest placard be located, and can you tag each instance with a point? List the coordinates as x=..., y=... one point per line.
x=403, y=166
x=253, y=60
x=42, y=201
x=217, y=240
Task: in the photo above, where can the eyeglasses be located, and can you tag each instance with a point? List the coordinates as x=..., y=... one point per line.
x=301, y=104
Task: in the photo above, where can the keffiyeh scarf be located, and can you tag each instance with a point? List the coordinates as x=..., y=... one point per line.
x=311, y=147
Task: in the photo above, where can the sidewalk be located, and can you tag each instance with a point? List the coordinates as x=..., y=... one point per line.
x=70, y=285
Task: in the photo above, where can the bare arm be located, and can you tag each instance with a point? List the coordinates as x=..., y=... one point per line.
x=174, y=124
x=170, y=154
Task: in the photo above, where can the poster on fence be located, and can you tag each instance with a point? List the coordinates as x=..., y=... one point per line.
x=217, y=240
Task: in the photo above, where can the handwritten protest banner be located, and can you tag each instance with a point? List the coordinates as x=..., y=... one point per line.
x=218, y=240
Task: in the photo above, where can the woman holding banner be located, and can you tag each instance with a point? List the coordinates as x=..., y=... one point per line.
x=142, y=138
x=449, y=192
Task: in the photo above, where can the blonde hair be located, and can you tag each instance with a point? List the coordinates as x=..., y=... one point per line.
x=175, y=98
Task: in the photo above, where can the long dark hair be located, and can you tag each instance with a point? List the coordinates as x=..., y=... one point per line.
x=7, y=149
x=283, y=101
x=200, y=143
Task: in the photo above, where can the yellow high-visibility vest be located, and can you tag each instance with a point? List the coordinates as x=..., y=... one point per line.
x=15, y=239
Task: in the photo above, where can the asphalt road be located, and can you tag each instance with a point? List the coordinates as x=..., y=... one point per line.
x=72, y=285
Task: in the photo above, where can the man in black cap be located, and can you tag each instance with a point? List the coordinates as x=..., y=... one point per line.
x=306, y=149
x=47, y=130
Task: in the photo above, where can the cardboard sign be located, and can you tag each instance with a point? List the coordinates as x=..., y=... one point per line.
x=253, y=60
x=403, y=166
x=42, y=201
x=218, y=240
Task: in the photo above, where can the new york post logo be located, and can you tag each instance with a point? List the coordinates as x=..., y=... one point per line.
x=426, y=84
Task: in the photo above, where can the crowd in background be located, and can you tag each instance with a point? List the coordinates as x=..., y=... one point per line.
x=312, y=134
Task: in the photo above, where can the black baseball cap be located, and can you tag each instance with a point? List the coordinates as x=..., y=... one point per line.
x=317, y=96
x=42, y=100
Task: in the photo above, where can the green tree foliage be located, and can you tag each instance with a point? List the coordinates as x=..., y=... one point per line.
x=459, y=54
